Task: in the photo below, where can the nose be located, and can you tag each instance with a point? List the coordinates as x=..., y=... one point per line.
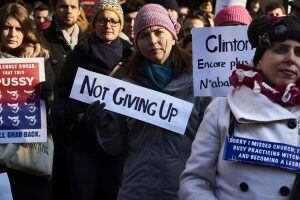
x=132, y=22
x=290, y=57
x=69, y=9
x=153, y=38
x=12, y=32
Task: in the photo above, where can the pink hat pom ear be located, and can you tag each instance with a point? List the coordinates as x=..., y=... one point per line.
x=177, y=26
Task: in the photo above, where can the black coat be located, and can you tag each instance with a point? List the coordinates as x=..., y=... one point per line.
x=58, y=46
x=79, y=138
x=69, y=108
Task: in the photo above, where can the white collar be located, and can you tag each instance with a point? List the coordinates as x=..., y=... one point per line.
x=250, y=107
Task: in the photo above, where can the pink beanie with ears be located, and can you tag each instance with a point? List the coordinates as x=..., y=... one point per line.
x=155, y=15
x=233, y=14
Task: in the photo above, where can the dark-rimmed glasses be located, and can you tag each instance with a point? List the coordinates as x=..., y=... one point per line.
x=112, y=22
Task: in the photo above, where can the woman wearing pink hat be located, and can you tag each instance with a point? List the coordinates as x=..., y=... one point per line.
x=233, y=16
x=155, y=156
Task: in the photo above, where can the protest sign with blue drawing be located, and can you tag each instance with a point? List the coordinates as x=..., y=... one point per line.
x=22, y=113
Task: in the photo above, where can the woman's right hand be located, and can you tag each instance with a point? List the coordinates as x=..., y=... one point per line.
x=97, y=114
x=34, y=50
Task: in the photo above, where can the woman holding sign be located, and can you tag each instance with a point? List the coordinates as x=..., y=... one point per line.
x=19, y=39
x=247, y=146
x=155, y=156
x=93, y=173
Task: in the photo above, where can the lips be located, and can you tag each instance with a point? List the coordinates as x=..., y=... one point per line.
x=154, y=51
x=107, y=33
x=11, y=41
x=68, y=17
x=288, y=72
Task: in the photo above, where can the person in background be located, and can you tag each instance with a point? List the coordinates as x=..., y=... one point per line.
x=187, y=43
x=64, y=33
x=275, y=9
x=41, y=14
x=233, y=16
x=207, y=6
x=155, y=156
x=21, y=2
x=93, y=173
x=183, y=11
x=263, y=108
x=130, y=12
x=171, y=5
x=82, y=21
x=295, y=8
x=61, y=38
x=255, y=9
x=18, y=38
x=196, y=19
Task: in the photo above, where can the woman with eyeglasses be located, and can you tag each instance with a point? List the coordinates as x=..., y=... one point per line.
x=93, y=173
x=155, y=156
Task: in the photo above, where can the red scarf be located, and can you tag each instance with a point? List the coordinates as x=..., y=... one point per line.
x=288, y=95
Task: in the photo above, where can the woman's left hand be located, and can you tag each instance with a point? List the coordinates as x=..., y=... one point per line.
x=34, y=50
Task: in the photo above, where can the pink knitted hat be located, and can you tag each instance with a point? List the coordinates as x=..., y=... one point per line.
x=155, y=15
x=233, y=14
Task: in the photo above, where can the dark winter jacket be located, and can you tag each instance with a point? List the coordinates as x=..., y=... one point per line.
x=155, y=156
x=83, y=57
x=58, y=46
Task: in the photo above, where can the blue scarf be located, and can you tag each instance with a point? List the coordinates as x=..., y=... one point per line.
x=159, y=75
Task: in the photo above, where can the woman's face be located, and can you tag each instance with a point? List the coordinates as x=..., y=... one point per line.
x=107, y=26
x=155, y=43
x=280, y=64
x=12, y=34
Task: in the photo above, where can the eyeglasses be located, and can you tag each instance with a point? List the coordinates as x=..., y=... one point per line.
x=112, y=22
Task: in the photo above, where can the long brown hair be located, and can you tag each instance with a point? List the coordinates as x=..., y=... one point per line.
x=20, y=14
x=181, y=58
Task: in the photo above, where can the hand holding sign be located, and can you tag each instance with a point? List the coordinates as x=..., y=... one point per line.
x=97, y=114
x=130, y=100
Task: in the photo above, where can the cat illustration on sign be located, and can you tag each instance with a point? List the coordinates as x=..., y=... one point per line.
x=31, y=120
x=14, y=94
x=15, y=121
x=14, y=106
x=30, y=93
x=30, y=106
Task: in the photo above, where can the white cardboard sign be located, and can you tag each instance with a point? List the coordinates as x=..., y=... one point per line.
x=131, y=100
x=216, y=52
x=5, y=189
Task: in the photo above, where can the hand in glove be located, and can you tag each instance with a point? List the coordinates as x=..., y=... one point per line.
x=97, y=114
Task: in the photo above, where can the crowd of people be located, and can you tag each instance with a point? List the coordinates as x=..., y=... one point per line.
x=99, y=154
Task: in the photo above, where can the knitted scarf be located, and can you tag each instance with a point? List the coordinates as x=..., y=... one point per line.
x=285, y=95
x=109, y=55
x=159, y=75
